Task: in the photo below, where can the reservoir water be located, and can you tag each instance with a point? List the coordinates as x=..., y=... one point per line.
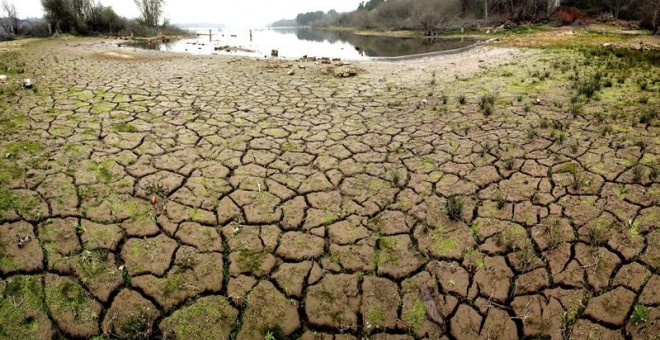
x=293, y=43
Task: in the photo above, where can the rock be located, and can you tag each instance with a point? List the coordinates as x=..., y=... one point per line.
x=27, y=84
x=509, y=25
x=291, y=72
x=345, y=72
x=3, y=77
x=274, y=53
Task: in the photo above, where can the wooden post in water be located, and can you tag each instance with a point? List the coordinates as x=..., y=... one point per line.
x=210, y=36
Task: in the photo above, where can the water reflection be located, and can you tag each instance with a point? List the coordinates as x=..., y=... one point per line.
x=380, y=46
x=299, y=42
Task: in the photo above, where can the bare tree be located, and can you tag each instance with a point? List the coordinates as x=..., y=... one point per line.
x=11, y=22
x=617, y=5
x=649, y=11
x=553, y=5
x=82, y=9
x=432, y=14
x=486, y=10
x=151, y=11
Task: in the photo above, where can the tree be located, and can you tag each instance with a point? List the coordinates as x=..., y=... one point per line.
x=59, y=14
x=11, y=23
x=370, y=5
x=486, y=10
x=432, y=14
x=553, y=5
x=150, y=10
x=616, y=6
x=104, y=19
x=309, y=18
x=649, y=12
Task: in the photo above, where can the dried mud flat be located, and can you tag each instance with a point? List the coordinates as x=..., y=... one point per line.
x=466, y=196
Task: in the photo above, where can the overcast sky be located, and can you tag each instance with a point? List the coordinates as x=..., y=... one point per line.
x=228, y=12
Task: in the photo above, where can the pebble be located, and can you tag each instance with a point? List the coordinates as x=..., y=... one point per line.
x=22, y=240
x=3, y=77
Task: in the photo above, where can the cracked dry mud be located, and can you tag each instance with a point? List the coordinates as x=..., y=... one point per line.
x=190, y=197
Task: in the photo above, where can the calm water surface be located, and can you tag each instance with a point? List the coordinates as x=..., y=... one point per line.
x=298, y=42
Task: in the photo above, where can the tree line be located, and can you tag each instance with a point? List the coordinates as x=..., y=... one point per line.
x=430, y=15
x=87, y=17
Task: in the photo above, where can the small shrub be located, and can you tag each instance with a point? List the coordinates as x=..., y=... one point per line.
x=647, y=117
x=576, y=110
x=454, y=208
x=640, y=315
x=488, y=110
x=500, y=200
x=655, y=171
x=638, y=173
x=606, y=131
x=462, y=99
x=395, y=178
x=561, y=137
x=642, y=144
x=531, y=134
x=588, y=85
x=486, y=104
x=509, y=163
x=579, y=181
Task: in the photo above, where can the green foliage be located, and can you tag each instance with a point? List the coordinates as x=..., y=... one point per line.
x=124, y=127
x=376, y=317
x=462, y=99
x=640, y=315
x=486, y=103
x=415, y=315
x=136, y=327
x=588, y=84
x=20, y=304
x=454, y=208
x=89, y=17
x=309, y=18
x=70, y=297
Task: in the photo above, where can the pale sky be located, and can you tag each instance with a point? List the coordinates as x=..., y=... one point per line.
x=227, y=12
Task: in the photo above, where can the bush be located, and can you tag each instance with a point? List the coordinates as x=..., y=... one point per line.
x=454, y=208
x=104, y=20
x=4, y=36
x=568, y=16
x=86, y=17
x=589, y=84
x=35, y=28
x=487, y=104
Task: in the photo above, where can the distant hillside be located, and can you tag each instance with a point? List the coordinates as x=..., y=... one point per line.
x=284, y=23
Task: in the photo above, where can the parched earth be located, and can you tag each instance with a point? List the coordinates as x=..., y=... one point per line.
x=185, y=197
